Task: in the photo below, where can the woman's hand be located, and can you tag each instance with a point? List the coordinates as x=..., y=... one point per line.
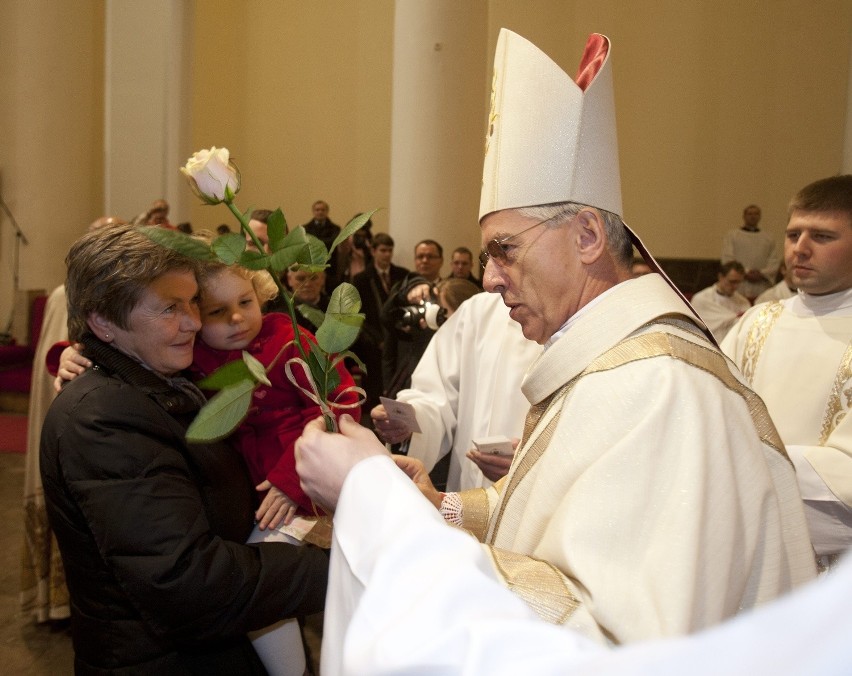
x=71, y=364
x=275, y=509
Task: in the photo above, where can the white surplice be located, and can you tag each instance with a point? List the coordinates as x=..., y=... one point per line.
x=797, y=355
x=756, y=250
x=719, y=312
x=467, y=386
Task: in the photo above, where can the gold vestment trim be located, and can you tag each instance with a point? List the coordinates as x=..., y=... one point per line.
x=475, y=512
x=539, y=584
x=644, y=346
x=756, y=338
x=836, y=408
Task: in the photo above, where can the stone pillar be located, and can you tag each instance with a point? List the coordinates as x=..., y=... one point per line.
x=440, y=98
x=147, y=105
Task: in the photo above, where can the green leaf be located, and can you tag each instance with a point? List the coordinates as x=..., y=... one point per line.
x=345, y=300
x=229, y=248
x=284, y=258
x=225, y=375
x=352, y=226
x=332, y=380
x=254, y=260
x=317, y=362
x=178, y=241
x=315, y=254
x=297, y=235
x=256, y=368
x=276, y=229
x=338, y=331
x=349, y=354
x=314, y=315
x=222, y=414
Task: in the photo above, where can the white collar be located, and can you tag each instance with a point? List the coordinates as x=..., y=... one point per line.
x=562, y=329
x=807, y=305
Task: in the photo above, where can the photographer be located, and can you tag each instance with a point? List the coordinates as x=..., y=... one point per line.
x=405, y=338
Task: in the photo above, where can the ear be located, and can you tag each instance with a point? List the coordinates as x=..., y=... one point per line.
x=592, y=233
x=101, y=327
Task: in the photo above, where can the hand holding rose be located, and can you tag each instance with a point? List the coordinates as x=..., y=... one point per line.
x=323, y=459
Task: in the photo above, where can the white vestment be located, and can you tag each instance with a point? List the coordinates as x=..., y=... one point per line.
x=756, y=251
x=44, y=595
x=718, y=311
x=778, y=292
x=797, y=355
x=467, y=386
x=653, y=497
x=443, y=610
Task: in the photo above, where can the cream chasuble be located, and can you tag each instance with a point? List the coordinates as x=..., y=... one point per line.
x=653, y=497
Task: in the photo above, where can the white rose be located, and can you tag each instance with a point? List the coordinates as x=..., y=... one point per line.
x=212, y=175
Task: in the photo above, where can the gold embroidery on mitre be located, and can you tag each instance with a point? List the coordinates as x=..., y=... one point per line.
x=756, y=338
x=539, y=584
x=475, y=511
x=492, y=114
x=836, y=408
x=644, y=346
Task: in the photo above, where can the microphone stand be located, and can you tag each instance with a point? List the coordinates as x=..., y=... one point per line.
x=20, y=237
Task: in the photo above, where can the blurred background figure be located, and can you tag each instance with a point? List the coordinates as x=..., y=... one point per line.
x=462, y=266
x=721, y=305
x=755, y=250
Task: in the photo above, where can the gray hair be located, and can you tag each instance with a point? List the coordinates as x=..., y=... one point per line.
x=618, y=241
x=109, y=270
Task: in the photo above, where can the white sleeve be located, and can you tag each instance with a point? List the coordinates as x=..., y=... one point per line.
x=428, y=603
x=434, y=393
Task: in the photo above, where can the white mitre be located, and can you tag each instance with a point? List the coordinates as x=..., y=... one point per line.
x=551, y=139
x=548, y=139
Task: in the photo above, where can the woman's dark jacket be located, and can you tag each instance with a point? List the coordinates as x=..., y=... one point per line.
x=151, y=531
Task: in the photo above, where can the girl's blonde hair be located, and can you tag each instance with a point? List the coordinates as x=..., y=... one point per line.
x=262, y=282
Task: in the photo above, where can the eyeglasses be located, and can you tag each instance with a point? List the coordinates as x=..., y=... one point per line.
x=496, y=250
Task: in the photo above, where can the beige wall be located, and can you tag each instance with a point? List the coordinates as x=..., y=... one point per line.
x=51, y=167
x=720, y=103
x=300, y=93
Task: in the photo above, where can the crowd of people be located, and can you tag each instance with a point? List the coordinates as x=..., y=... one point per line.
x=663, y=469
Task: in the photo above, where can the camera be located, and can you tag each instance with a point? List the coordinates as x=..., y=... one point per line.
x=429, y=311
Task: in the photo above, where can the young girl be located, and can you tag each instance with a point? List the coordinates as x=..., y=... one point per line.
x=231, y=321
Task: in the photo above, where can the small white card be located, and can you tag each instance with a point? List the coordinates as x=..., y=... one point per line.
x=494, y=445
x=401, y=412
x=298, y=528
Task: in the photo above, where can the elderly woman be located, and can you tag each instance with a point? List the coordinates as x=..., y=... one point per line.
x=151, y=529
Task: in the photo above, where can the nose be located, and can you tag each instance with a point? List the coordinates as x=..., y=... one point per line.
x=492, y=277
x=191, y=319
x=801, y=246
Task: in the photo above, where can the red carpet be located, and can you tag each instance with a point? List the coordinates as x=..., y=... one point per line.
x=13, y=433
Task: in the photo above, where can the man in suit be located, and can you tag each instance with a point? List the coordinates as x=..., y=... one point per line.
x=374, y=285
x=321, y=226
x=462, y=266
